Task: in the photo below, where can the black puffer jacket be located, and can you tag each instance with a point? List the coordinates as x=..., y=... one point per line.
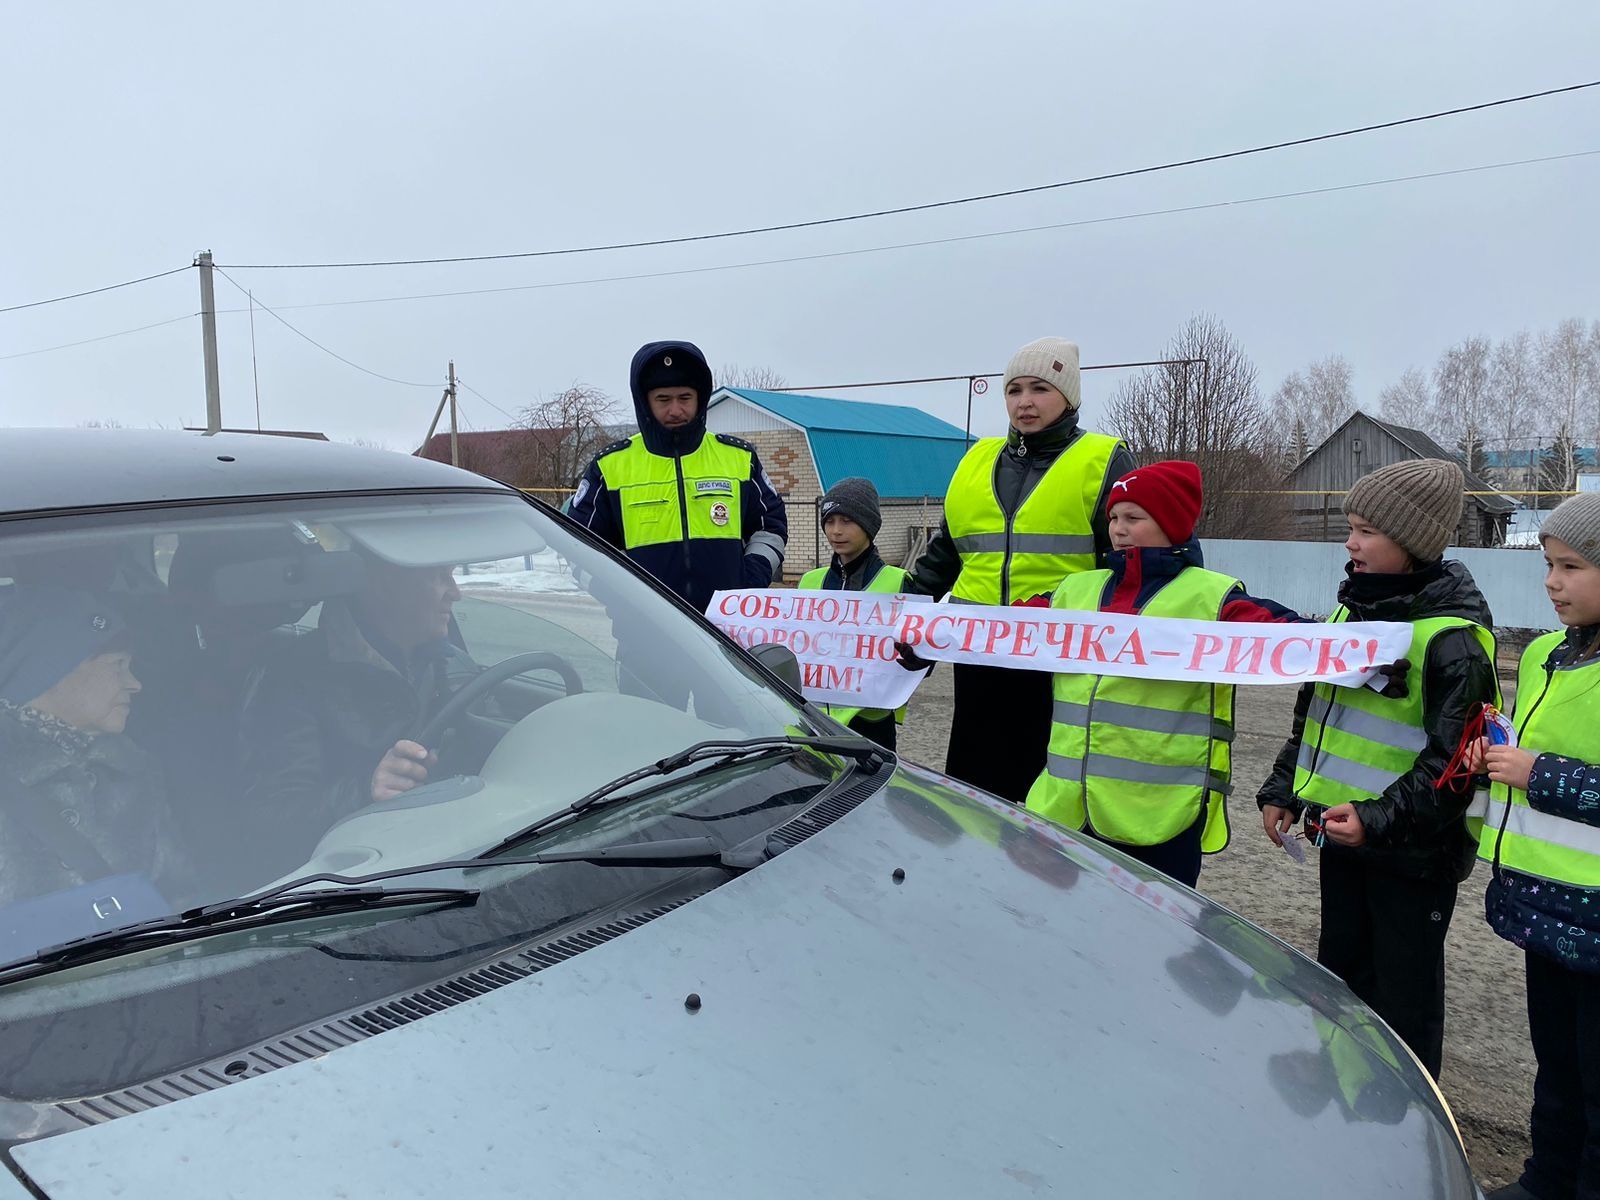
x=1414, y=828
x=104, y=790
x=1016, y=473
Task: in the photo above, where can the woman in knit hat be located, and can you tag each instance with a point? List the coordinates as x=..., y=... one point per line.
x=1368, y=769
x=1111, y=735
x=850, y=521
x=82, y=801
x=1539, y=833
x=1022, y=513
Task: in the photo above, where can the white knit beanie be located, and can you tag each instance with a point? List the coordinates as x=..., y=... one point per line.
x=1054, y=360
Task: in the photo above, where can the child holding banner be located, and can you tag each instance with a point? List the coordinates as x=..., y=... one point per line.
x=1144, y=764
x=850, y=520
x=1539, y=832
x=1367, y=767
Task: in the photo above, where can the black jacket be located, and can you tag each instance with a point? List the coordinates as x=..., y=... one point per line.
x=694, y=568
x=105, y=791
x=1414, y=828
x=1016, y=473
x=319, y=721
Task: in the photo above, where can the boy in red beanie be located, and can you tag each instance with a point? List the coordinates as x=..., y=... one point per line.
x=1145, y=764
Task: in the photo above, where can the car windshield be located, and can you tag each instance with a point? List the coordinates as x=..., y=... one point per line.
x=199, y=702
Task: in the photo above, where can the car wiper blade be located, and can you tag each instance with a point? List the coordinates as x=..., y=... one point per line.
x=280, y=905
x=869, y=754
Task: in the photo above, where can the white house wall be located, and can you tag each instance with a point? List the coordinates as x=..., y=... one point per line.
x=737, y=417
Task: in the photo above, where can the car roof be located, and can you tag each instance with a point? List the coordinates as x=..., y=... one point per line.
x=52, y=469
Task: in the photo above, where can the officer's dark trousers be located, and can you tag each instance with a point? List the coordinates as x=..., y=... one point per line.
x=1000, y=729
x=1564, y=1019
x=1383, y=934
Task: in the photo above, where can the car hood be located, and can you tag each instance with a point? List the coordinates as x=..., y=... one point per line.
x=1018, y=1013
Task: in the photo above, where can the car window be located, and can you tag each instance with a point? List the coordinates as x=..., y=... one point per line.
x=200, y=702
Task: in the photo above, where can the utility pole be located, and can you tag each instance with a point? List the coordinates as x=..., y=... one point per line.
x=208, y=333
x=455, y=446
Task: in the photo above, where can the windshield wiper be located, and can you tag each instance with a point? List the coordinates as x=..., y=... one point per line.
x=869, y=754
x=277, y=906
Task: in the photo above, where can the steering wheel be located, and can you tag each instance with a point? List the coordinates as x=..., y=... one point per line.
x=491, y=677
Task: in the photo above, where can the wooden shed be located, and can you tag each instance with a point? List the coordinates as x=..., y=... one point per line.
x=1362, y=445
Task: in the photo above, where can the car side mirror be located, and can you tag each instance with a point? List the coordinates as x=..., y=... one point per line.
x=780, y=660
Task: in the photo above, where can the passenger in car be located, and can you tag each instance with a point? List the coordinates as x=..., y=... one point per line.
x=330, y=728
x=81, y=802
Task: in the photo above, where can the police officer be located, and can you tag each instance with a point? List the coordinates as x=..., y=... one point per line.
x=1022, y=512
x=696, y=511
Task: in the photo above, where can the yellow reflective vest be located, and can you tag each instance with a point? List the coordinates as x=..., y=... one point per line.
x=1139, y=760
x=1050, y=536
x=1355, y=743
x=1557, y=712
x=667, y=499
x=888, y=581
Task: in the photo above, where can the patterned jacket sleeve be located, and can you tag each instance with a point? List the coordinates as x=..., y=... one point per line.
x=766, y=527
x=1566, y=787
x=1240, y=606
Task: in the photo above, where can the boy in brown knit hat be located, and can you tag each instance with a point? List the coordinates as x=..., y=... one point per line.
x=1361, y=764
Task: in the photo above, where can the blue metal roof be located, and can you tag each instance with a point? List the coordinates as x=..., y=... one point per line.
x=904, y=451
x=1583, y=456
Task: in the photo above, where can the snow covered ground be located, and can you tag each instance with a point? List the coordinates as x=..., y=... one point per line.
x=541, y=572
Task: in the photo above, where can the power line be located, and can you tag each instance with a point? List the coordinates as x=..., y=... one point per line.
x=331, y=353
x=940, y=241
x=110, y=287
x=105, y=337
x=485, y=399
x=933, y=204
x=841, y=387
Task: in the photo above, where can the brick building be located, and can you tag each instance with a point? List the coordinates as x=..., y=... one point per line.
x=809, y=443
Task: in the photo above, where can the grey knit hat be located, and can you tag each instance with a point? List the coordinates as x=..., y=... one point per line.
x=1576, y=521
x=857, y=499
x=1415, y=503
x=1054, y=360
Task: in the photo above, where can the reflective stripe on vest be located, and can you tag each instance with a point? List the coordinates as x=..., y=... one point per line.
x=887, y=582
x=1557, y=712
x=1139, y=760
x=1049, y=537
x=666, y=499
x=1356, y=744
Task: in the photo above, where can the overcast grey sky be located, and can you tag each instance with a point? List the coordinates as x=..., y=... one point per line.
x=136, y=135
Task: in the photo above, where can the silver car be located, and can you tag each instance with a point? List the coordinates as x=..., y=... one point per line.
x=423, y=847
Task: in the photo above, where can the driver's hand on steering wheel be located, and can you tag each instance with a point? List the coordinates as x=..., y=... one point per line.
x=403, y=768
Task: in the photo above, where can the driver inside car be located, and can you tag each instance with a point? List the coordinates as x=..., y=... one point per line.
x=331, y=726
x=82, y=803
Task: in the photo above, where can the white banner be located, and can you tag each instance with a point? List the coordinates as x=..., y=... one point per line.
x=1096, y=643
x=844, y=640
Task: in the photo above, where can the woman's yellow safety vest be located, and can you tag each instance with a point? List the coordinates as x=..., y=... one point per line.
x=1138, y=760
x=1355, y=743
x=1557, y=712
x=1048, y=538
x=887, y=581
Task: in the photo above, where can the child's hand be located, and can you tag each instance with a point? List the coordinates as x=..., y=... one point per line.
x=1511, y=765
x=1277, y=821
x=1342, y=824
x=1475, y=756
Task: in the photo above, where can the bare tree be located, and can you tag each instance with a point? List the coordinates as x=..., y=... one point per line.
x=761, y=379
x=1315, y=402
x=1409, y=402
x=1569, y=371
x=1211, y=415
x=563, y=434
x=1514, y=386
x=369, y=443
x=1461, y=391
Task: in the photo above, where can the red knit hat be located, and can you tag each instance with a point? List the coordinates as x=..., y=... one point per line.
x=1169, y=491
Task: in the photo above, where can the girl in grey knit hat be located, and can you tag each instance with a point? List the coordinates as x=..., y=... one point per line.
x=1539, y=822
x=1364, y=766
